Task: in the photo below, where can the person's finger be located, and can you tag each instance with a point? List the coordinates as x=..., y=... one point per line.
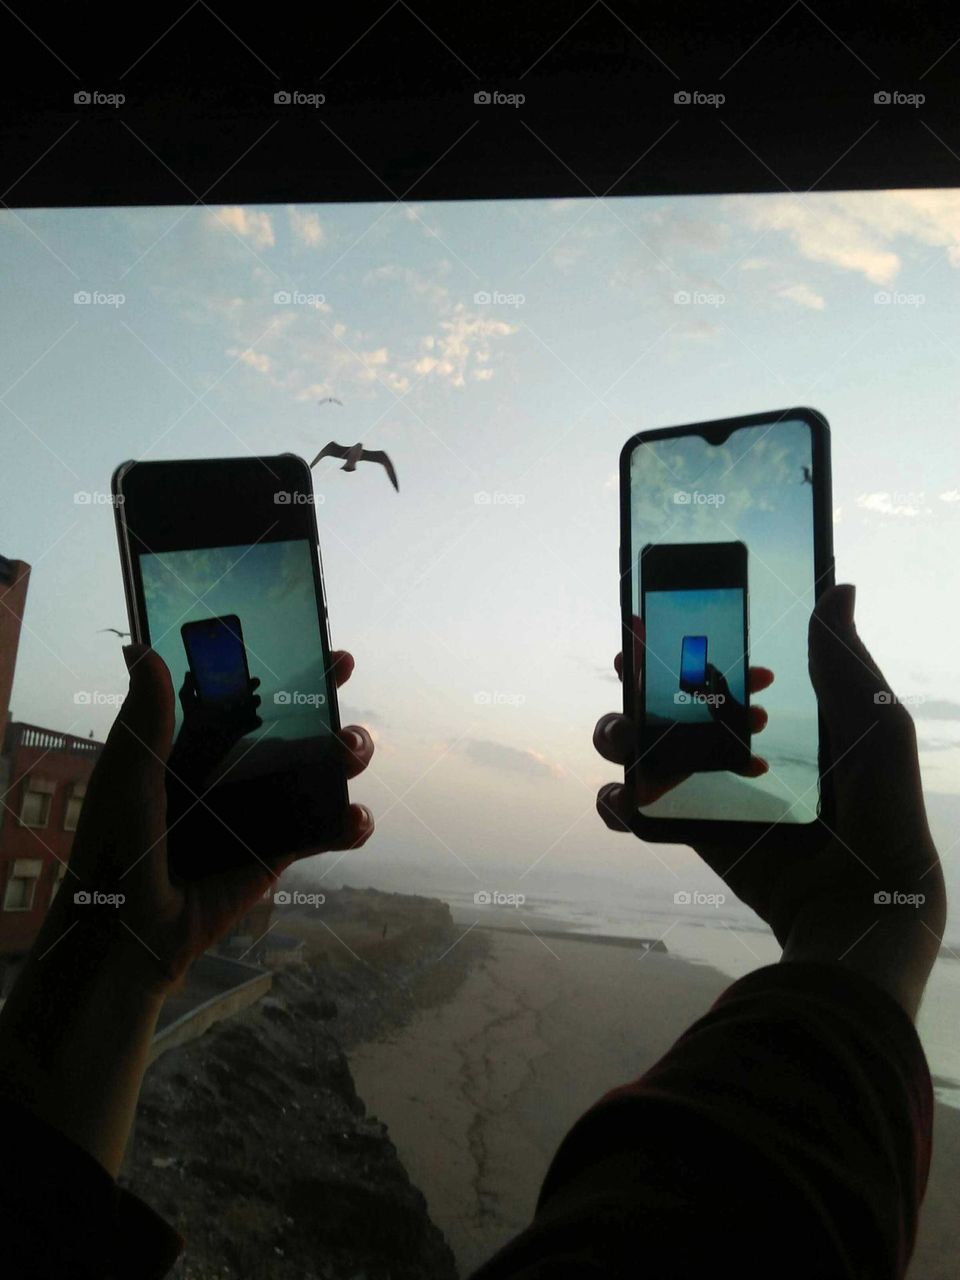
x=758, y=719
x=358, y=748
x=759, y=678
x=255, y=684
x=342, y=665
x=613, y=806
x=848, y=683
x=358, y=828
x=614, y=737
x=756, y=767
x=618, y=666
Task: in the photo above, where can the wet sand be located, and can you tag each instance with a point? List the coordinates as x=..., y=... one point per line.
x=478, y=1092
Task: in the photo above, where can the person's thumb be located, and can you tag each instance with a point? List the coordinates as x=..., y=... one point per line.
x=126, y=802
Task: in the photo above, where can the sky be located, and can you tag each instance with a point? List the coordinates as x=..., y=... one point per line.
x=502, y=353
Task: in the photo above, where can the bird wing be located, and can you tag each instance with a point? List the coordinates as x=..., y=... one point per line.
x=331, y=400
x=121, y=634
x=331, y=450
x=378, y=455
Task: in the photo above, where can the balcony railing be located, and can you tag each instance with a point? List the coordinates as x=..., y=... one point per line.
x=32, y=735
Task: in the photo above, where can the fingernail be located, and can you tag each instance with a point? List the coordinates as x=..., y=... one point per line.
x=353, y=740
x=839, y=609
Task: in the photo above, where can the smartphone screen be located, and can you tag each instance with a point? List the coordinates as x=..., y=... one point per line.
x=224, y=582
x=702, y=615
x=694, y=711
x=693, y=663
x=218, y=660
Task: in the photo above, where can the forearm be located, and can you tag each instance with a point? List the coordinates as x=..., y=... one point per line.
x=75, y=1035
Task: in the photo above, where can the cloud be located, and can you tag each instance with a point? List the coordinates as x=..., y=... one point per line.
x=254, y=359
x=494, y=755
x=464, y=339
x=419, y=286
x=952, y=495
x=857, y=230
x=803, y=295
x=883, y=504
x=306, y=227
x=247, y=223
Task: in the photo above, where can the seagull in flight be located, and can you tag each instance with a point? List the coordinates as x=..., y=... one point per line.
x=331, y=400
x=355, y=453
x=124, y=635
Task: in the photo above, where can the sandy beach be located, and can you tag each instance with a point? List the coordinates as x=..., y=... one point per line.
x=478, y=1092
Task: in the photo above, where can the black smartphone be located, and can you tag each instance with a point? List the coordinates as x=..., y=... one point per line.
x=222, y=572
x=694, y=713
x=218, y=660
x=699, y=504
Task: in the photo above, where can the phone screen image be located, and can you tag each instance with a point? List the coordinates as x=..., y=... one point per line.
x=750, y=485
x=217, y=660
x=237, y=614
x=693, y=663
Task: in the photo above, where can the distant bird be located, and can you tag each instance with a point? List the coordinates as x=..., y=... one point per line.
x=331, y=400
x=807, y=476
x=124, y=635
x=357, y=453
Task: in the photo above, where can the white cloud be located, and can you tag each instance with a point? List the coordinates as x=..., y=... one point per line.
x=306, y=227
x=803, y=295
x=244, y=222
x=465, y=340
x=254, y=359
x=857, y=230
x=952, y=495
x=884, y=505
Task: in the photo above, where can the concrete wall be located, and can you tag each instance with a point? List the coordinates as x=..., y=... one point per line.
x=243, y=985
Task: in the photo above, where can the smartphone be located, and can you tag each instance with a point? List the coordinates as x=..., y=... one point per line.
x=218, y=660
x=726, y=542
x=693, y=664
x=222, y=573
x=694, y=715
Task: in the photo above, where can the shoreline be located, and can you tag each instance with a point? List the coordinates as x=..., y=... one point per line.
x=477, y=1092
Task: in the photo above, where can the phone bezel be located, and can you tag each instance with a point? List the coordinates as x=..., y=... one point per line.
x=695, y=831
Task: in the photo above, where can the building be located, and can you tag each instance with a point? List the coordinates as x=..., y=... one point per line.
x=43, y=780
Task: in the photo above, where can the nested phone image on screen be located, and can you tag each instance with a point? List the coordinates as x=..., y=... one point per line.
x=694, y=711
x=725, y=545
x=218, y=660
x=693, y=663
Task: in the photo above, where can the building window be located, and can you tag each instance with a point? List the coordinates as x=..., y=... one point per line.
x=22, y=884
x=37, y=797
x=74, y=805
